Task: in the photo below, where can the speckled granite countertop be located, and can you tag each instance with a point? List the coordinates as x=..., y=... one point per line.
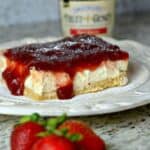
x=129, y=130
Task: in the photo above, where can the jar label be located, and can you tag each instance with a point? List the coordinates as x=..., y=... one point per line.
x=93, y=17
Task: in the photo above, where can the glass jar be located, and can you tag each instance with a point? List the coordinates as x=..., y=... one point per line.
x=87, y=16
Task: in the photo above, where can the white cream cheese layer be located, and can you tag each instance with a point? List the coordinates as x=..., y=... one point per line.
x=3, y=65
x=109, y=69
x=40, y=81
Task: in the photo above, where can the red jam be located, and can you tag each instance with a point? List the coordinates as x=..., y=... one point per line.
x=68, y=55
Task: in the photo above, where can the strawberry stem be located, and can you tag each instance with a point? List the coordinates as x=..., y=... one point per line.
x=24, y=119
x=52, y=126
x=64, y=131
x=34, y=118
x=42, y=134
x=53, y=123
x=74, y=137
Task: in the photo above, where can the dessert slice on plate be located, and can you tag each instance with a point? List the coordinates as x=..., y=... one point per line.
x=64, y=68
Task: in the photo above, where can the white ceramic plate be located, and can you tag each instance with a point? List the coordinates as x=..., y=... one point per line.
x=136, y=93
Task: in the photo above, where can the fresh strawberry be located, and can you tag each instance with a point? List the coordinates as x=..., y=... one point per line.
x=24, y=134
x=54, y=142
x=90, y=140
x=36, y=133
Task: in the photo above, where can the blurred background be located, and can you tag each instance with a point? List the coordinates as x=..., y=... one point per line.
x=40, y=18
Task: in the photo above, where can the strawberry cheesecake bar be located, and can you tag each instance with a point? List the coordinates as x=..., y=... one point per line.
x=64, y=68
